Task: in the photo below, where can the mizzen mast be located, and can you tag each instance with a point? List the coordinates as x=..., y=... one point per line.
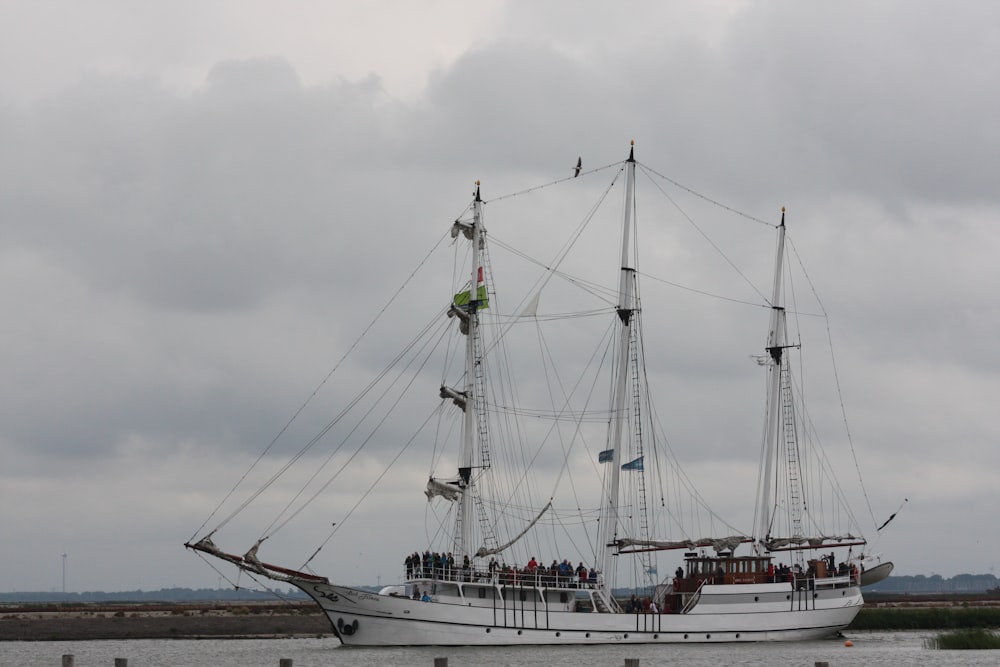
x=775, y=402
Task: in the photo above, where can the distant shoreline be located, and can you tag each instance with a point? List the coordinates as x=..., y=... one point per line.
x=82, y=622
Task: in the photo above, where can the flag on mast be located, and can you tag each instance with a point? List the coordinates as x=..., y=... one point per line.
x=462, y=298
x=635, y=464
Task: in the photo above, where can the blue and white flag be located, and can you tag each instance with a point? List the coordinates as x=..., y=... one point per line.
x=633, y=465
x=606, y=455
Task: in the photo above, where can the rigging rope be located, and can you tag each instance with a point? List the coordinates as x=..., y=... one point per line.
x=551, y=183
x=705, y=236
x=836, y=378
x=697, y=194
x=373, y=485
x=267, y=531
x=702, y=292
x=311, y=396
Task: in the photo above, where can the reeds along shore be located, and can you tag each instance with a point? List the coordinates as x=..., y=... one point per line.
x=965, y=640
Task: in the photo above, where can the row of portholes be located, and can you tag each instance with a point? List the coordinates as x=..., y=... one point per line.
x=625, y=636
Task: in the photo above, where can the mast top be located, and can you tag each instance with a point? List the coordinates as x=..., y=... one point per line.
x=631, y=151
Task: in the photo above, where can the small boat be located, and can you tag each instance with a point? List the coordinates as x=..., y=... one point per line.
x=512, y=492
x=876, y=574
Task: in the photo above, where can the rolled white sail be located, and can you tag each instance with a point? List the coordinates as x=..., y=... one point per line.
x=448, y=489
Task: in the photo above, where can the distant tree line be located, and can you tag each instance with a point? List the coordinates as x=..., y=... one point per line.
x=162, y=595
x=918, y=583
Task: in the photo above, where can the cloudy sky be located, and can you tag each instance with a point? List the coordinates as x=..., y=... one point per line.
x=192, y=195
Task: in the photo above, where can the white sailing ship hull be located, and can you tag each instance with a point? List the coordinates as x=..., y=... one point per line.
x=730, y=613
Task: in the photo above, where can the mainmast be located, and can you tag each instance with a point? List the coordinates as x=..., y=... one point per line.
x=463, y=517
x=625, y=309
x=775, y=357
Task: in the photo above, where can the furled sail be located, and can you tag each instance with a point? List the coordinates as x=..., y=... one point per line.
x=457, y=397
x=448, y=489
x=463, y=318
x=250, y=558
x=483, y=551
x=718, y=543
x=774, y=543
x=463, y=228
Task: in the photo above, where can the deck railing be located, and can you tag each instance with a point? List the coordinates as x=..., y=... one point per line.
x=534, y=579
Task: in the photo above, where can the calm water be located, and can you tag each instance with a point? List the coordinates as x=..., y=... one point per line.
x=877, y=649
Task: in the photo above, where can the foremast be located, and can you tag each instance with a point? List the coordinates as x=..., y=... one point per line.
x=625, y=310
x=463, y=515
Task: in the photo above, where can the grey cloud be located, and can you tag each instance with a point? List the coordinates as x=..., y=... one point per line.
x=182, y=267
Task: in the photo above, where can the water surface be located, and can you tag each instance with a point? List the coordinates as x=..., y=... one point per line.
x=878, y=649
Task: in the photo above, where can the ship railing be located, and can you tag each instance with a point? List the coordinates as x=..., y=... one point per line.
x=504, y=578
x=806, y=581
x=839, y=581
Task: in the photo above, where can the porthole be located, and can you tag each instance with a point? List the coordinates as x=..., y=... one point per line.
x=842, y=593
x=708, y=636
x=487, y=631
x=737, y=635
x=626, y=635
x=588, y=635
x=788, y=597
x=518, y=632
x=656, y=636
x=815, y=595
x=756, y=598
x=685, y=636
x=558, y=634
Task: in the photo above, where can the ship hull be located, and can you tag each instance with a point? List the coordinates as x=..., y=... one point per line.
x=731, y=613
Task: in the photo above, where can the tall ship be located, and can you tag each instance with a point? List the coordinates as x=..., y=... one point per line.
x=555, y=507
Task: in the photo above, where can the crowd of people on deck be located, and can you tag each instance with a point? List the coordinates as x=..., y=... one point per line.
x=443, y=566
x=435, y=565
x=825, y=566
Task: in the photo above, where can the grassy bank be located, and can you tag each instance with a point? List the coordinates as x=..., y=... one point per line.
x=927, y=618
x=965, y=639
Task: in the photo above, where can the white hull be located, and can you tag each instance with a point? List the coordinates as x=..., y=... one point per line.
x=730, y=613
